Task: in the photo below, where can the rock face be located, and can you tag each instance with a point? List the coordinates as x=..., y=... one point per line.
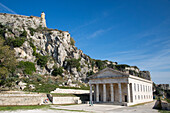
x=55, y=44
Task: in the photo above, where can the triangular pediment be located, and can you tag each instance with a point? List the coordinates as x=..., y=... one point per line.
x=108, y=73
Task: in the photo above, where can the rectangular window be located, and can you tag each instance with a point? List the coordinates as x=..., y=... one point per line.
x=138, y=87
x=141, y=87
x=134, y=86
x=146, y=88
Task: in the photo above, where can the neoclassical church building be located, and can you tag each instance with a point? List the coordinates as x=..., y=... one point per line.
x=112, y=86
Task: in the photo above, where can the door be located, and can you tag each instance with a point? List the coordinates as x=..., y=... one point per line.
x=125, y=98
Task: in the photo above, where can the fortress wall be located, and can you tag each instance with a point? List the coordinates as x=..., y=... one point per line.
x=22, y=99
x=17, y=21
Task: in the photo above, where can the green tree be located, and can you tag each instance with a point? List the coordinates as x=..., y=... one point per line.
x=72, y=41
x=42, y=60
x=7, y=61
x=73, y=62
x=24, y=34
x=100, y=64
x=57, y=71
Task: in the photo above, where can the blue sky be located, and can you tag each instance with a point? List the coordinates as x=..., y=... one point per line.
x=134, y=32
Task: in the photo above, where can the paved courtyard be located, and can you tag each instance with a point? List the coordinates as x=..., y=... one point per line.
x=101, y=108
x=96, y=108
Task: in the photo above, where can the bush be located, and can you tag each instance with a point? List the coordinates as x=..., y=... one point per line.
x=28, y=67
x=34, y=48
x=121, y=66
x=78, y=69
x=32, y=30
x=17, y=42
x=24, y=34
x=90, y=73
x=73, y=62
x=42, y=60
x=57, y=71
x=100, y=64
x=72, y=41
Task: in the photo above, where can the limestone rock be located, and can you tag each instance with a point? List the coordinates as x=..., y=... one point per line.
x=22, y=85
x=31, y=86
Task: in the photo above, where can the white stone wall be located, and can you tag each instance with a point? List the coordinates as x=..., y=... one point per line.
x=20, y=21
x=22, y=99
x=142, y=90
x=70, y=91
x=66, y=100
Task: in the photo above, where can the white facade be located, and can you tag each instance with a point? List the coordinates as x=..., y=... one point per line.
x=119, y=88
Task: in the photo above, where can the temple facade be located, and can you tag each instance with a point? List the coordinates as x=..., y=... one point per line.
x=112, y=86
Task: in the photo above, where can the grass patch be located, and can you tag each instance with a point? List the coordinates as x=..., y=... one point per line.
x=62, y=95
x=164, y=111
x=140, y=104
x=68, y=110
x=81, y=88
x=168, y=100
x=9, y=108
x=44, y=88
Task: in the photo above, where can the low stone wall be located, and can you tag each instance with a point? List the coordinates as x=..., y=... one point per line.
x=66, y=100
x=22, y=99
x=165, y=105
x=70, y=91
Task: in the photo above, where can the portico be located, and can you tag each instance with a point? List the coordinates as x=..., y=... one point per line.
x=114, y=87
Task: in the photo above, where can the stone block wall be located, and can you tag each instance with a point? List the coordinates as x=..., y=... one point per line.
x=17, y=21
x=165, y=105
x=22, y=99
x=70, y=91
x=66, y=100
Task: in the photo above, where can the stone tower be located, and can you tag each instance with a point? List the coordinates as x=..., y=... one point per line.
x=43, y=18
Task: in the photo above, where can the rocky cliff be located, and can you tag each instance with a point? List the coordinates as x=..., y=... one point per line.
x=52, y=51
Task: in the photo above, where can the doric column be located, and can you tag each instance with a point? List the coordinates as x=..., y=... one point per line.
x=112, y=92
x=128, y=92
x=91, y=94
x=104, y=92
x=97, y=92
x=94, y=97
x=120, y=92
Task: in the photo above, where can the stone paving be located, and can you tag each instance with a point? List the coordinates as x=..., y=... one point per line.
x=101, y=108
x=96, y=108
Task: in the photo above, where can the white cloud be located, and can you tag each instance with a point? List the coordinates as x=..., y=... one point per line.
x=98, y=32
x=5, y=8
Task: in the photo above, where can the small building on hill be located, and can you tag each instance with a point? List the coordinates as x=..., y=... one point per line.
x=112, y=86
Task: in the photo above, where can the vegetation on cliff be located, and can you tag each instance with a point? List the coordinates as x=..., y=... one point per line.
x=8, y=64
x=32, y=53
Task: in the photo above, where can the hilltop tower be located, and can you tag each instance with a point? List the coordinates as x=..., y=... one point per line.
x=43, y=18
